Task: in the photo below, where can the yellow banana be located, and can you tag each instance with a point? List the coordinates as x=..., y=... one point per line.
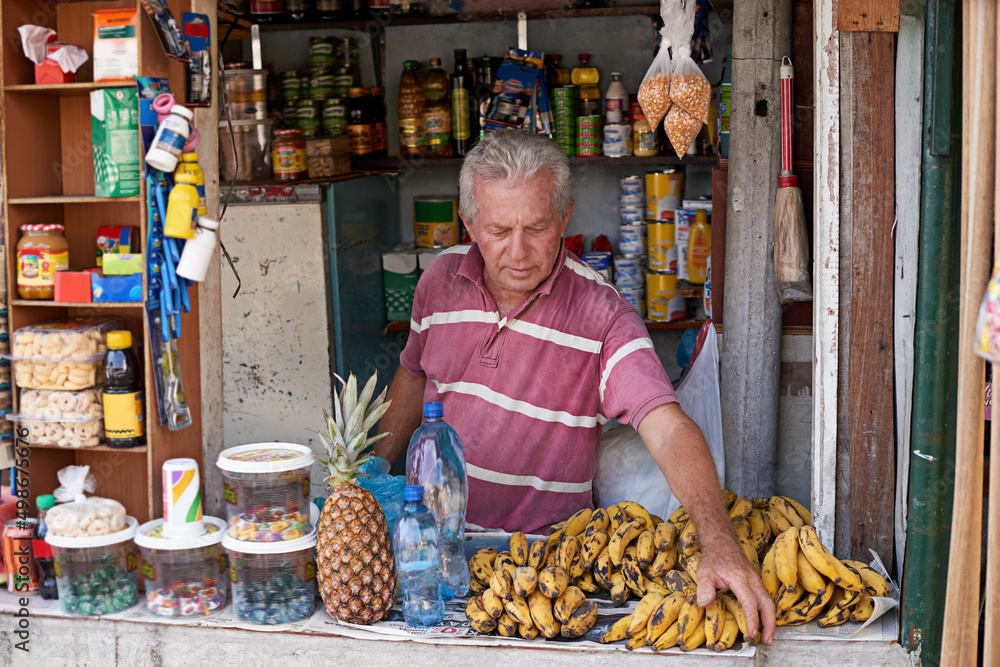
x=567, y=603
x=592, y=547
x=729, y=497
x=621, y=538
x=519, y=548
x=506, y=626
x=733, y=607
x=808, y=608
x=739, y=510
x=769, y=575
x=634, y=509
x=577, y=523
x=779, y=523
x=541, y=614
x=525, y=580
x=619, y=591
x=551, y=557
x=690, y=617
x=599, y=520
x=715, y=617
x=656, y=587
x=664, y=561
x=587, y=583
x=848, y=598
x=810, y=579
x=691, y=565
x=758, y=529
x=688, y=539
x=665, y=536
x=580, y=621
x=693, y=639
x=552, y=581
x=481, y=564
x=750, y=552
x=475, y=611
x=500, y=584
x=476, y=586
x=826, y=563
x=681, y=582
x=834, y=616
x=785, y=508
x=664, y=615
x=566, y=550
x=678, y=517
x=616, y=632
x=800, y=509
x=872, y=580
x=517, y=607
x=640, y=616
x=483, y=627
x=554, y=539
x=557, y=526
x=602, y=569
x=618, y=517
x=668, y=639
x=645, y=550
x=504, y=561
x=637, y=640
x=633, y=573
x=727, y=636
x=785, y=557
x=528, y=631
x=536, y=554
x=741, y=527
x=492, y=604
x=788, y=598
x=863, y=610
x=576, y=568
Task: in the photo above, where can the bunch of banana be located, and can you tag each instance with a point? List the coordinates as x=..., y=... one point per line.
x=808, y=583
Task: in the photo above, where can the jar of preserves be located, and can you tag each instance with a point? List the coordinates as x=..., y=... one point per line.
x=288, y=155
x=41, y=252
x=644, y=142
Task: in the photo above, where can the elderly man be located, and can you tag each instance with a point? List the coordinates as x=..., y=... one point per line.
x=531, y=352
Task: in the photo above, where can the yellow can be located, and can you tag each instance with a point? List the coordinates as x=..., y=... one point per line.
x=664, y=192
x=661, y=248
x=660, y=289
x=435, y=221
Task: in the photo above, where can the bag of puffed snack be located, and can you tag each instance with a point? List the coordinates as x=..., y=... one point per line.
x=690, y=91
x=654, y=91
x=78, y=515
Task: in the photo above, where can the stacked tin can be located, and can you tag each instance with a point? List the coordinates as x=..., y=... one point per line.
x=589, y=136
x=630, y=263
x=564, y=111
x=664, y=190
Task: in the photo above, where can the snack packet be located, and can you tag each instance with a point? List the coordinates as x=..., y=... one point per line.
x=81, y=516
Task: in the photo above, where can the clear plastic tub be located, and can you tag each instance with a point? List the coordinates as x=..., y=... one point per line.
x=273, y=583
x=184, y=576
x=59, y=355
x=96, y=575
x=69, y=433
x=58, y=405
x=267, y=491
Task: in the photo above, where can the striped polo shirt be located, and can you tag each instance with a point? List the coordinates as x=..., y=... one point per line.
x=528, y=394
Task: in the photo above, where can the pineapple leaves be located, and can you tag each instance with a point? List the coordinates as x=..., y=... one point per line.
x=354, y=416
x=378, y=409
x=349, y=396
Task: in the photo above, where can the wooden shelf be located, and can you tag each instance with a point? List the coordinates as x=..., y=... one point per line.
x=73, y=199
x=395, y=163
x=99, y=448
x=66, y=89
x=41, y=303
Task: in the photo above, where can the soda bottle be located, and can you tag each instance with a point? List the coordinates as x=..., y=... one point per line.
x=415, y=542
x=461, y=106
x=44, y=503
x=359, y=123
x=437, y=111
x=410, y=111
x=380, y=136
x=486, y=74
x=587, y=79
x=124, y=413
x=436, y=461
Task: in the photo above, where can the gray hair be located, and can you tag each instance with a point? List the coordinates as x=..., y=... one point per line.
x=518, y=156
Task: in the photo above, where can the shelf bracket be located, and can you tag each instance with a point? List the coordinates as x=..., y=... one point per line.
x=522, y=31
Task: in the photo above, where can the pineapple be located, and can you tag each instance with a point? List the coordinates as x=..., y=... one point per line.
x=355, y=566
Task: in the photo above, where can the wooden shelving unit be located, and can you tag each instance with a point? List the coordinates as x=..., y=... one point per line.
x=48, y=177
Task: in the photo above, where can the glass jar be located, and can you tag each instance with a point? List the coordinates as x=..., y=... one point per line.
x=644, y=142
x=41, y=252
x=288, y=155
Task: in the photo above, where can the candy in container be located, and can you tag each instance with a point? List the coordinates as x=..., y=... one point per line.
x=96, y=575
x=273, y=583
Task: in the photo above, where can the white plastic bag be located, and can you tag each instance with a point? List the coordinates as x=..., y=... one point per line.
x=81, y=516
x=625, y=468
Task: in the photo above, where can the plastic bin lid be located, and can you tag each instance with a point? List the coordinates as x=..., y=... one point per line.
x=127, y=533
x=283, y=547
x=266, y=457
x=150, y=535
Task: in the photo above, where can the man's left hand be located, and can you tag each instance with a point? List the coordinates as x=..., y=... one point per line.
x=725, y=567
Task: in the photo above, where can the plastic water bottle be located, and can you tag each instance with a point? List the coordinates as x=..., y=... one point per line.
x=415, y=540
x=436, y=461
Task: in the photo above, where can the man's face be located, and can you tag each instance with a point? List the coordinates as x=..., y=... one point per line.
x=519, y=235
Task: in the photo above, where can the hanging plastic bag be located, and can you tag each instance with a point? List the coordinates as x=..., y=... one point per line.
x=690, y=91
x=654, y=91
x=625, y=468
x=81, y=516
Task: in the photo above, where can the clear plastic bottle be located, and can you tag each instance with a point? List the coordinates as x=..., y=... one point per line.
x=415, y=540
x=437, y=111
x=410, y=111
x=436, y=461
x=44, y=503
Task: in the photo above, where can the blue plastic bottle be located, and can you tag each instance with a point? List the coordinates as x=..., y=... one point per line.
x=436, y=461
x=415, y=540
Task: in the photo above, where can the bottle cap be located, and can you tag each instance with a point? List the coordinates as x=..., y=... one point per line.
x=556, y=58
x=433, y=409
x=701, y=215
x=42, y=228
x=189, y=157
x=185, y=177
x=357, y=92
x=45, y=502
x=435, y=62
x=183, y=112
x=207, y=223
x=119, y=340
x=411, y=64
x=584, y=58
x=413, y=493
x=618, y=74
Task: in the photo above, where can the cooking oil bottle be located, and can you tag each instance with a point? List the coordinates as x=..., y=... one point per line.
x=588, y=80
x=437, y=111
x=410, y=109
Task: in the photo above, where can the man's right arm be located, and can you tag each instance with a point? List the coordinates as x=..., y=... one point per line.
x=403, y=416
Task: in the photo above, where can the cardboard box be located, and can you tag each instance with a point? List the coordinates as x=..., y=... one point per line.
x=73, y=287
x=123, y=264
x=116, y=289
x=329, y=156
x=399, y=274
x=50, y=72
x=425, y=256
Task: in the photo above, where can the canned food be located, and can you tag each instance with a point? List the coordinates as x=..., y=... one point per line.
x=588, y=121
x=334, y=117
x=588, y=151
x=307, y=118
x=569, y=150
x=321, y=51
x=600, y=262
x=661, y=249
x=617, y=140
x=664, y=190
x=593, y=142
x=435, y=221
x=636, y=297
x=588, y=132
x=631, y=191
x=628, y=271
x=632, y=215
x=291, y=85
x=564, y=92
x=567, y=116
x=664, y=302
x=320, y=82
x=632, y=239
x=343, y=81
x=683, y=219
x=564, y=103
x=19, y=557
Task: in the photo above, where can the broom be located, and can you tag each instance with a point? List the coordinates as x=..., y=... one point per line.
x=791, y=247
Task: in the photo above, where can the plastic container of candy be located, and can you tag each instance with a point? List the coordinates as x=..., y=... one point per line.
x=273, y=582
x=266, y=487
x=96, y=575
x=184, y=576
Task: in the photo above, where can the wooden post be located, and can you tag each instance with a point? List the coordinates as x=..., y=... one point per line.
x=751, y=354
x=826, y=264
x=979, y=85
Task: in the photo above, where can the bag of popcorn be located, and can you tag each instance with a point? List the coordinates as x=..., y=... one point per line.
x=654, y=91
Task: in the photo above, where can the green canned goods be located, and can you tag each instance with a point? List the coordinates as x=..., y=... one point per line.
x=588, y=121
x=320, y=82
x=564, y=92
x=307, y=118
x=570, y=151
x=588, y=151
x=566, y=135
x=334, y=117
x=343, y=81
x=565, y=114
x=321, y=51
x=563, y=103
x=588, y=131
x=291, y=85
x=590, y=142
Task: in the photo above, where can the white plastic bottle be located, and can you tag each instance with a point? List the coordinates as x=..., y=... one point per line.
x=616, y=101
x=170, y=138
x=198, y=251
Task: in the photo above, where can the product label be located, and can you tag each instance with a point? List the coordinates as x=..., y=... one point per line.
x=229, y=493
x=147, y=571
x=437, y=126
x=267, y=6
x=410, y=131
x=170, y=141
x=725, y=95
x=380, y=136
x=614, y=110
x=288, y=160
x=644, y=139
x=362, y=141
x=37, y=267
x=124, y=415
x=460, y=113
